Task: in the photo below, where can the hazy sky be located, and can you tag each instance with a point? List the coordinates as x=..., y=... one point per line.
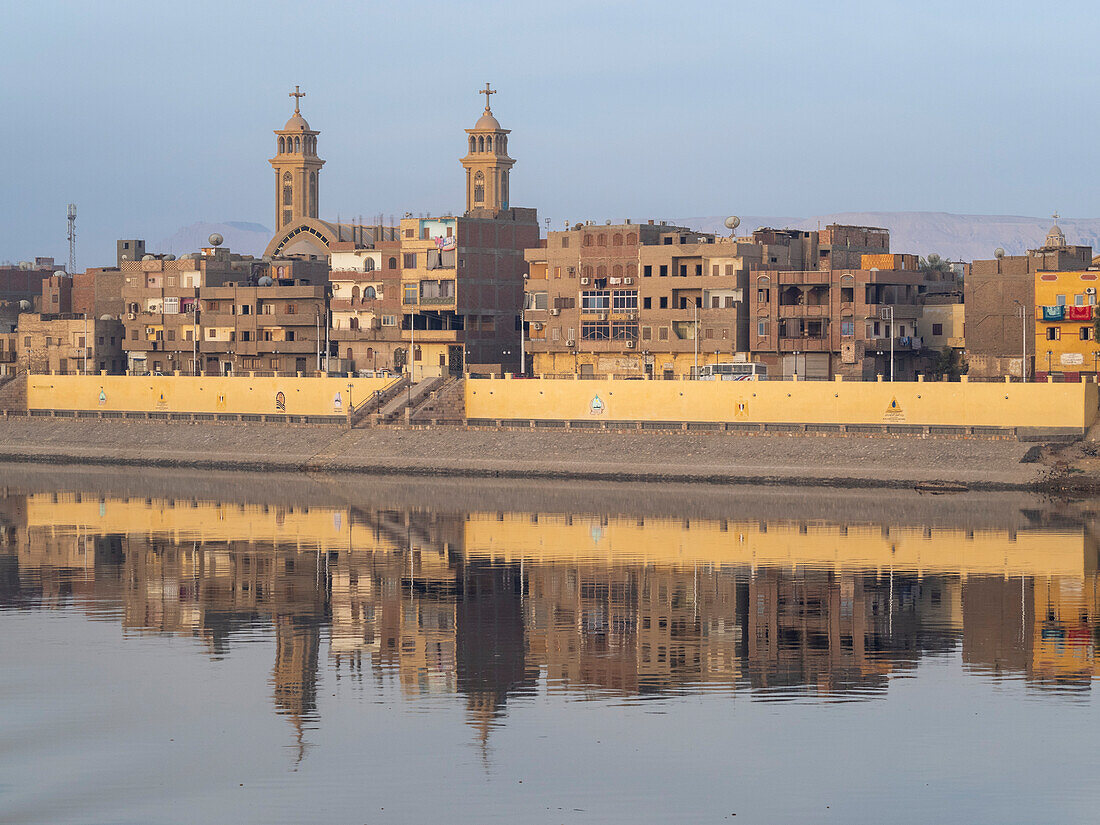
x=153, y=115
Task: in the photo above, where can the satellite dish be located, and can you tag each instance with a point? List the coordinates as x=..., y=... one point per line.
x=266, y=280
x=107, y=318
x=148, y=257
x=24, y=305
x=732, y=222
x=169, y=257
x=998, y=253
x=216, y=239
x=124, y=258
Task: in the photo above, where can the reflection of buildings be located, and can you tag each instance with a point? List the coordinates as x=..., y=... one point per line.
x=490, y=605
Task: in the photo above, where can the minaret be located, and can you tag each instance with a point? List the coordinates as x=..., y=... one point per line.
x=487, y=164
x=297, y=169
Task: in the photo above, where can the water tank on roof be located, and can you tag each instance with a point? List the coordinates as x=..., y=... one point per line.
x=266, y=280
x=24, y=265
x=106, y=317
x=148, y=257
x=169, y=257
x=24, y=306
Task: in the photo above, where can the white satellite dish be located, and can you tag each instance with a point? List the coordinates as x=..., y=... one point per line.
x=732, y=222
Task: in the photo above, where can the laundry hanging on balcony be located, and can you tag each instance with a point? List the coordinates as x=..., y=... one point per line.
x=1054, y=313
x=1079, y=313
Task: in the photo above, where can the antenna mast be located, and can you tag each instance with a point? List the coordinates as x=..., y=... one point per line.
x=72, y=237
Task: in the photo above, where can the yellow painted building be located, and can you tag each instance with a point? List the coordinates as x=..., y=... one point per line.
x=1065, y=332
x=941, y=325
x=1055, y=407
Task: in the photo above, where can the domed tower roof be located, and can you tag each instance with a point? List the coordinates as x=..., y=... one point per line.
x=487, y=123
x=297, y=123
x=1055, y=237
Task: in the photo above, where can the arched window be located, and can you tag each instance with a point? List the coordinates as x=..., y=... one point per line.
x=473, y=143
x=369, y=294
x=368, y=266
x=349, y=353
x=587, y=272
x=502, y=145
x=370, y=353
x=631, y=270
x=288, y=190
x=479, y=188
x=355, y=293
x=297, y=144
x=282, y=145
x=617, y=270
x=504, y=188
x=588, y=240
x=391, y=263
x=313, y=194
x=488, y=143
x=616, y=239
x=481, y=144
x=631, y=239
x=601, y=240
x=355, y=323
x=601, y=271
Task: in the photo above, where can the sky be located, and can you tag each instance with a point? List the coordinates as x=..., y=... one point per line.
x=154, y=115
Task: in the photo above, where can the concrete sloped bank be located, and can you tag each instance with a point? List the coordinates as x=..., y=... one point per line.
x=713, y=458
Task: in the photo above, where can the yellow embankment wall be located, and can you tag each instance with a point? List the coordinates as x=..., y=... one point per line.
x=200, y=394
x=962, y=404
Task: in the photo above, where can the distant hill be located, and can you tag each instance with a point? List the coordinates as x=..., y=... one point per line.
x=245, y=238
x=958, y=237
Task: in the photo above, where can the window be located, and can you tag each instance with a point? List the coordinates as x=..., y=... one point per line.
x=647, y=303
x=601, y=240
x=662, y=333
x=1079, y=300
x=647, y=271
x=1086, y=333
x=1052, y=334
x=409, y=294
x=389, y=320
x=683, y=270
x=847, y=328
x=170, y=335
x=647, y=333
x=624, y=331
x=392, y=263
x=847, y=294
x=596, y=301
x=409, y=260
x=708, y=333
x=664, y=270
x=595, y=330
x=664, y=302
x=564, y=241
x=763, y=296
x=699, y=270
x=762, y=327
x=937, y=329
x=617, y=239
x=1061, y=300
x=625, y=300
x=715, y=270
x=539, y=300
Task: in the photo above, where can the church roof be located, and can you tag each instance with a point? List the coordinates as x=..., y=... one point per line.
x=297, y=123
x=487, y=123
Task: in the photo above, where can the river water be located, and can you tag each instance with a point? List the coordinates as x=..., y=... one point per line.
x=219, y=648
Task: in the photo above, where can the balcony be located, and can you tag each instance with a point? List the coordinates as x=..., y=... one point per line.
x=804, y=345
x=444, y=300
x=804, y=310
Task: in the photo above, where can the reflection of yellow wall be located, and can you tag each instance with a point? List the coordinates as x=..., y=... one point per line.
x=826, y=402
x=1062, y=640
x=209, y=394
x=676, y=542
x=1068, y=353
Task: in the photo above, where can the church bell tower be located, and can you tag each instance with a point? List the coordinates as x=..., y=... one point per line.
x=487, y=165
x=297, y=169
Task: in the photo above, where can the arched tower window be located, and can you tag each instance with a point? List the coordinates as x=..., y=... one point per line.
x=297, y=144
x=288, y=190
x=473, y=143
x=392, y=263
x=479, y=188
x=313, y=194
x=282, y=145
x=504, y=188
x=481, y=143
x=368, y=266
x=489, y=143
x=355, y=293
x=369, y=294
x=502, y=144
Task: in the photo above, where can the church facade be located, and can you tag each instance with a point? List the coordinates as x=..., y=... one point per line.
x=431, y=296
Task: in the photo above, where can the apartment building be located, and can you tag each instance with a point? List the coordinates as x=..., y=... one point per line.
x=1001, y=290
x=824, y=322
x=1065, y=344
x=219, y=312
x=68, y=344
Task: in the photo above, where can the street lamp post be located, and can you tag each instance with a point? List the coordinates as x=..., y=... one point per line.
x=695, y=308
x=1050, y=354
x=888, y=316
x=1021, y=313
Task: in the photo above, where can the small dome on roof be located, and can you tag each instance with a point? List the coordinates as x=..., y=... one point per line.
x=487, y=123
x=297, y=123
x=1055, y=237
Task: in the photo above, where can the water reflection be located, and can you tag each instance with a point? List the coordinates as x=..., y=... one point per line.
x=491, y=605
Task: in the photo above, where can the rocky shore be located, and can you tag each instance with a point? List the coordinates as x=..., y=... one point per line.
x=714, y=458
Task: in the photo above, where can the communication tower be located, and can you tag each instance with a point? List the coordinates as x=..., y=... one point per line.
x=72, y=237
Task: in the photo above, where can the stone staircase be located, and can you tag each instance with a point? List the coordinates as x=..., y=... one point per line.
x=444, y=405
x=13, y=393
x=402, y=405
x=363, y=415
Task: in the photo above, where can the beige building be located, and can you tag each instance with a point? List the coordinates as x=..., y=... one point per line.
x=69, y=344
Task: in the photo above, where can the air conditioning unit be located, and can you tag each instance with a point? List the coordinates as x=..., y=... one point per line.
x=526, y=275
x=628, y=280
x=1090, y=290
x=632, y=316
x=584, y=282
x=570, y=343
x=171, y=357
x=603, y=316
x=537, y=326
x=131, y=315
x=555, y=311
x=630, y=345
x=616, y=280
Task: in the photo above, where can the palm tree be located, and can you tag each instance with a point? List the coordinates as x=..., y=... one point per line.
x=935, y=264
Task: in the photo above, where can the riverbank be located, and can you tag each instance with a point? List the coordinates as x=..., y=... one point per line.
x=684, y=457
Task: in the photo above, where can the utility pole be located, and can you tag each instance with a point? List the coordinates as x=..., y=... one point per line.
x=71, y=216
x=888, y=315
x=85, y=343
x=1021, y=313
x=695, y=307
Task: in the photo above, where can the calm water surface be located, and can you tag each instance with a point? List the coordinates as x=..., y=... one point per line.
x=254, y=649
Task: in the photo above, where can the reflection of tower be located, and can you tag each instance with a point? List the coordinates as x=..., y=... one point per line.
x=297, y=642
x=297, y=169
x=490, y=644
